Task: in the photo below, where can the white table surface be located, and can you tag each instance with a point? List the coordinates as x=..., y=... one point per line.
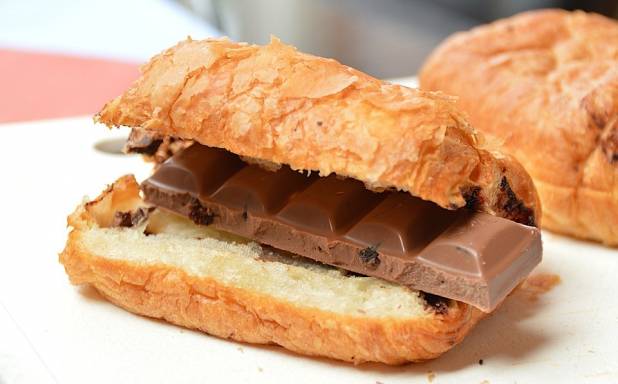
x=51, y=331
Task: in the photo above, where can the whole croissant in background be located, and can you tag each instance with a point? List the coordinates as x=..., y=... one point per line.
x=546, y=83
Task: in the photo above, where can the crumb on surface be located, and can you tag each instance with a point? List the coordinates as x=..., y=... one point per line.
x=538, y=284
x=430, y=376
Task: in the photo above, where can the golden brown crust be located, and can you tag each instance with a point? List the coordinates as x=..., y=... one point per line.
x=546, y=82
x=277, y=104
x=166, y=292
x=204, y=304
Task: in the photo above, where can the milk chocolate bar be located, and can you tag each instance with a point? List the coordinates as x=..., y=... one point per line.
x=463, y=255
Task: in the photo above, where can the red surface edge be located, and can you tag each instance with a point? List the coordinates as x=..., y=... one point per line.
x=40, y=85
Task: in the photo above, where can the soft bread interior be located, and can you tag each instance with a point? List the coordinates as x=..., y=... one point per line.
x=204, y=253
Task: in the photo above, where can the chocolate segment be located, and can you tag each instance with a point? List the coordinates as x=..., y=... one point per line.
x=401, y=224
x=197, y=171
x=329, y=206
x=468, y=256
x=259, y=191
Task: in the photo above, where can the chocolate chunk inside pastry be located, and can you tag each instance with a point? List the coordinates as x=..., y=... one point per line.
x=546, y=84
x=299, y=202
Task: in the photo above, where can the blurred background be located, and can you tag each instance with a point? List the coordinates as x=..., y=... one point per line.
x=387, y=38
x=67, y=57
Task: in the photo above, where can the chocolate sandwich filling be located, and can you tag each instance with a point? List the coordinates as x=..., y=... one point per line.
x=460, y=254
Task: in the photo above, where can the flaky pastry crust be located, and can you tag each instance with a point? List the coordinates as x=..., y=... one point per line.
x=276, y=104
x=169, y=293
x=546, y=82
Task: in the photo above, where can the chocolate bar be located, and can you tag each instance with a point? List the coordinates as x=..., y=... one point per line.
x=463, y=255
